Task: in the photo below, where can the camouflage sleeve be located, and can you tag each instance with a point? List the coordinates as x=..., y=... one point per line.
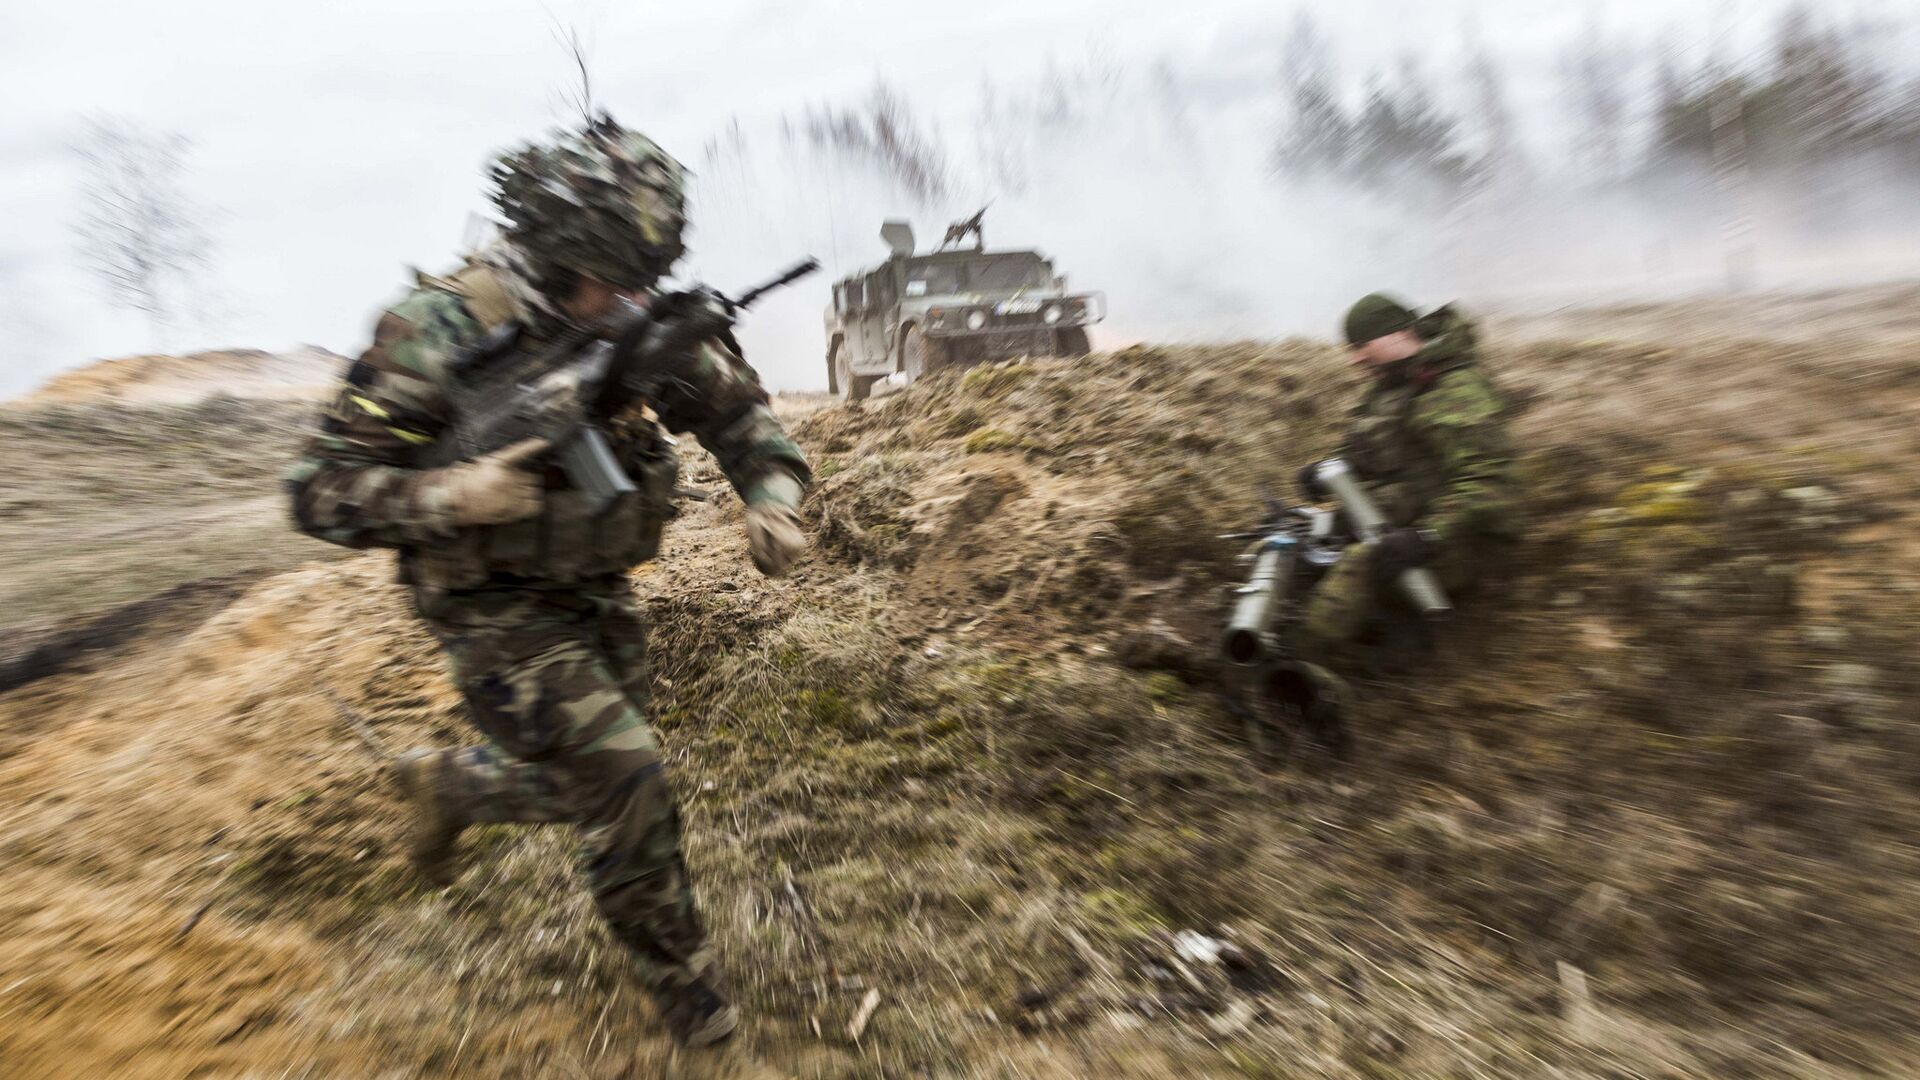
x=354, y=485
x=720, y=400
x=1460, y=422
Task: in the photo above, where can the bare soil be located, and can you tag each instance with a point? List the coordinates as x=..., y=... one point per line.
x=304, y=374
x=1645, y=811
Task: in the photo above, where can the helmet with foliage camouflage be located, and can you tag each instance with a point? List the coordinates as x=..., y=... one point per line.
x=602, y=201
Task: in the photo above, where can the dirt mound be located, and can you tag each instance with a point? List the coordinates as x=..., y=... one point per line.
x=108, y=508
x=304, y=374
x=1646, y=809
x=1680, y=702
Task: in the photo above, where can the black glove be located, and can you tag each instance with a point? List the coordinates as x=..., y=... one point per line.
x=1310, y=483
x=1400, y=550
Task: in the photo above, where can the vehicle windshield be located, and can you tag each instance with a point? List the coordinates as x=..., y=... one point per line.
x=987, y=274
x=1006, y=272
x=933, y=279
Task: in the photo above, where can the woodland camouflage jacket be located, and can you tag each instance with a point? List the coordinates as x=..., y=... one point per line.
x=360, y=482
x=1432, y=443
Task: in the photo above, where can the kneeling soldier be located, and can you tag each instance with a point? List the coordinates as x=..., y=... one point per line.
x=1429, y=443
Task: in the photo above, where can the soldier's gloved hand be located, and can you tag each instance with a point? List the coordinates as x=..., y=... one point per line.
x=1310, y=482
x=774, y=536
x=493, y=489
x=1400, y=550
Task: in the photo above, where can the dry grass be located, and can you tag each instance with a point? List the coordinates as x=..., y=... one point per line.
x=1646, y=812
x=109, y=503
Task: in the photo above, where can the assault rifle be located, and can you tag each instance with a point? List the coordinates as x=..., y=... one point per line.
x=566, y=392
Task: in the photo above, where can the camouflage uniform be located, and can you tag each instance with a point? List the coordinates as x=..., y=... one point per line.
x=1431, y=445
x=537, y=617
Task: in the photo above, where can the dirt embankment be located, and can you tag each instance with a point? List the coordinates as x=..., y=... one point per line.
x=115, y=518
x=303, y=374
x=141, y=491
x=1646, y=810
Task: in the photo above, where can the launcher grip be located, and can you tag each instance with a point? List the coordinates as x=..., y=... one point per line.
x=1420, y=585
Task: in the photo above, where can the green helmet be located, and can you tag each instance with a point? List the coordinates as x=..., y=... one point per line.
x=602, y=201
x=1376, y=315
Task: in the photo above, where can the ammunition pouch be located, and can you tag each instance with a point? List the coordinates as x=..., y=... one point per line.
x=568, y=541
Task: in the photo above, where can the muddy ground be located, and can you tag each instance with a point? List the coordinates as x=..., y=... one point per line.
x=1645, y=811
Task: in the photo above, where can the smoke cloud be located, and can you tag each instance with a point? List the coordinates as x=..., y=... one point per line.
x=1140, y=146
x=1210, y=211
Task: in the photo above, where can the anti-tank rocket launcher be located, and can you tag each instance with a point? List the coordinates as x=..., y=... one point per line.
x=1419, y=585
x=566, y=392
x=1293, y=549
x=1288, y=552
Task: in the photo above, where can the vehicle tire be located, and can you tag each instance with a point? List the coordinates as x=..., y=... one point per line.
x=852, y=387
x=1071, y=342
x=920, y=357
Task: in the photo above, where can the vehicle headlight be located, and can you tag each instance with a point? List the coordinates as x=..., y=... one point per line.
x=1051, y=315
x=976, y=319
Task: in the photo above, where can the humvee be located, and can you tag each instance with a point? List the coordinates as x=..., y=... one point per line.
x=951, y=307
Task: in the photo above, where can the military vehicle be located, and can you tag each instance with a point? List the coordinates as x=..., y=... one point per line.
x=951, y=307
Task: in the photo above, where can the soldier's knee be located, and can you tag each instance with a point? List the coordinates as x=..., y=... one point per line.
x=633, y=864
x=624, y=811
x=1335, y=617
x=1340, y=607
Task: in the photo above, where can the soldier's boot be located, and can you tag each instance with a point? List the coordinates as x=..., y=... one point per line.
x=439, y=814
x=696, y=1010
x=1394, y=648
x=1320, y=699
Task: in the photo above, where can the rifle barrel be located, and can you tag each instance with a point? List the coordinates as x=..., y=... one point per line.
x=795, y=273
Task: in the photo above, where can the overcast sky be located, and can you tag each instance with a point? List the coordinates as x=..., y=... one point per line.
x=344, y=141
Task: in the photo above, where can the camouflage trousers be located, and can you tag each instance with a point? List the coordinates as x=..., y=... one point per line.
x=555, y=678
x=1348, y=600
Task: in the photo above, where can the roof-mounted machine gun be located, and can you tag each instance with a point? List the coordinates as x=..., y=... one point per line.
x=958, y=232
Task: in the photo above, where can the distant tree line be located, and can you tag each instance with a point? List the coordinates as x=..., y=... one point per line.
x=1815, y=96
x=1819, y=96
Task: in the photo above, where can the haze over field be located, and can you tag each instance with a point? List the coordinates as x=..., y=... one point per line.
x=1134, y=141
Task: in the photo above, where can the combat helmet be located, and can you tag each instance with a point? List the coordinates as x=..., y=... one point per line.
x=602, y=201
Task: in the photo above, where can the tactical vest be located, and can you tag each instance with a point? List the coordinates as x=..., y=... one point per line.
x=567, y=543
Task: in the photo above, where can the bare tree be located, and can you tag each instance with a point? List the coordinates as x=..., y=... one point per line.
x=884, y=134
x=140, y=232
